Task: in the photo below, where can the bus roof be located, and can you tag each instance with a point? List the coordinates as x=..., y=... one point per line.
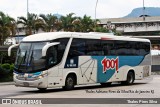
x=55, y=35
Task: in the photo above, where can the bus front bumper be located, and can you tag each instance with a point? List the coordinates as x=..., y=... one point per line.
x=39, y=83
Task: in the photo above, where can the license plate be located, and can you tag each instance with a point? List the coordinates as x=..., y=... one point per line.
x=26, y=84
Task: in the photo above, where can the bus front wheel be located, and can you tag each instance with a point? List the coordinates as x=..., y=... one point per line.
x=69, y=83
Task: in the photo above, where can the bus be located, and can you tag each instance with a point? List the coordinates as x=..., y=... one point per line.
x=66, y=59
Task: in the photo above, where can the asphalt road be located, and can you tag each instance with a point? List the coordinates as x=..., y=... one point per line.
x=140, y=89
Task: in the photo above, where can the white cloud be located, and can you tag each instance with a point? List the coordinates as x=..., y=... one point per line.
x=105, y=8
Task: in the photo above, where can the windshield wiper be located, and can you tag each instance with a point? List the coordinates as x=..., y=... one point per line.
x=31, y=58
x=23, y=59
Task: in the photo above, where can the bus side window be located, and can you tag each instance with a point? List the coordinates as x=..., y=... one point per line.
x=52, y=56
x=55, y=53
x=108, y=47
x=93, y=47
x=61, y=48
x=77, y=48
x=144, y=48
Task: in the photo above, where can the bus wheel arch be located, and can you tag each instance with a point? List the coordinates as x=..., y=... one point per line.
x=130, y=77
x=70, y=81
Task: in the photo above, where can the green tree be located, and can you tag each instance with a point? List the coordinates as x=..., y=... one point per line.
x=87, y=24
x=7, y=27
x=84, y=24
x=101, y=29
x=77, y=24
x=50, y=22
x=67, y=22
x=39, y=24
x=31, y=24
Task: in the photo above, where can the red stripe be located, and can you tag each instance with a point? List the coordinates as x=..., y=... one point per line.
x=104, y=38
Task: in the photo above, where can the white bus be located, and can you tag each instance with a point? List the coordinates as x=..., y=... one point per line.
x=66, y=59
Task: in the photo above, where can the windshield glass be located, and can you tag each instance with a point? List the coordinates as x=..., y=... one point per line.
x=29, y=57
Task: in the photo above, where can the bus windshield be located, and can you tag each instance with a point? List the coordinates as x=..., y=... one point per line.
x=29, y=57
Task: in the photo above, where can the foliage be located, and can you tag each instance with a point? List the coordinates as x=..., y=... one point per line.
x=50, y=22
x=11, y=67
x=116, y=32
x=6, y=66
x=77, y=24
x=6, y=72
x=101, y=29
x=87, y=24
x=67, y=22
x=4, y=58
x=7, y=27
x=32, y=23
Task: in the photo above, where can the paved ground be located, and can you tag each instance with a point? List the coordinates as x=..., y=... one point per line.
x=138, y=90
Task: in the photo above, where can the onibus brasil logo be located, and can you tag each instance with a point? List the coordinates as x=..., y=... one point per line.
x=110, y=64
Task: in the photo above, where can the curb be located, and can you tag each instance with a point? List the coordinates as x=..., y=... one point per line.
x=6, y=83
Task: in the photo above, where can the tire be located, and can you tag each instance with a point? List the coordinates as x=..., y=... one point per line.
x=130, y=79
x=106, y=84
x=42, y=89
x=69, y=83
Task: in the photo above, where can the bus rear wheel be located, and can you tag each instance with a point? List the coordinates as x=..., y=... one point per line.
x=130, y=79
x=69, y=83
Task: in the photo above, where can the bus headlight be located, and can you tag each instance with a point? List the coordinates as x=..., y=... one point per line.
x=39, y=77
x=44, y=74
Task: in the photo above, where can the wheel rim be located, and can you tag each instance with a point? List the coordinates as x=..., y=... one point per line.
x=70, y=82
x=130, y=78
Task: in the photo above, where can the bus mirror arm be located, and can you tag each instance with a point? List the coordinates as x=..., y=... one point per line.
x=45, y=48
x=10, y=48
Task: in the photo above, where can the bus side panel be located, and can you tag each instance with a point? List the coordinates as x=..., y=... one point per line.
x=144, y=68
x=141, y=70
x=147, y=62
x=84, y=67
x=138, y=72
x=114, y=68
x=87, y=70
x=53, y=77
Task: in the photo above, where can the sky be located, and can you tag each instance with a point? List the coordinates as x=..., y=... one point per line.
x=105, y=8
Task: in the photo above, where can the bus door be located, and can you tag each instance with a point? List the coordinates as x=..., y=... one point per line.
x=52, y=61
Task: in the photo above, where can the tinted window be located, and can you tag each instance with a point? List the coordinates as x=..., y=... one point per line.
x=143, y=47
x=62, y=47
x=108, y=47
x=84, y=47
x=125, y=48
x=55, y=53
x=77, y=48
x=53, y=56
x=93, y=47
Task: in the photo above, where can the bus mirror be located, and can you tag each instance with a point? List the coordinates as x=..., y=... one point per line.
x=10, y=49
x=45, y=48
